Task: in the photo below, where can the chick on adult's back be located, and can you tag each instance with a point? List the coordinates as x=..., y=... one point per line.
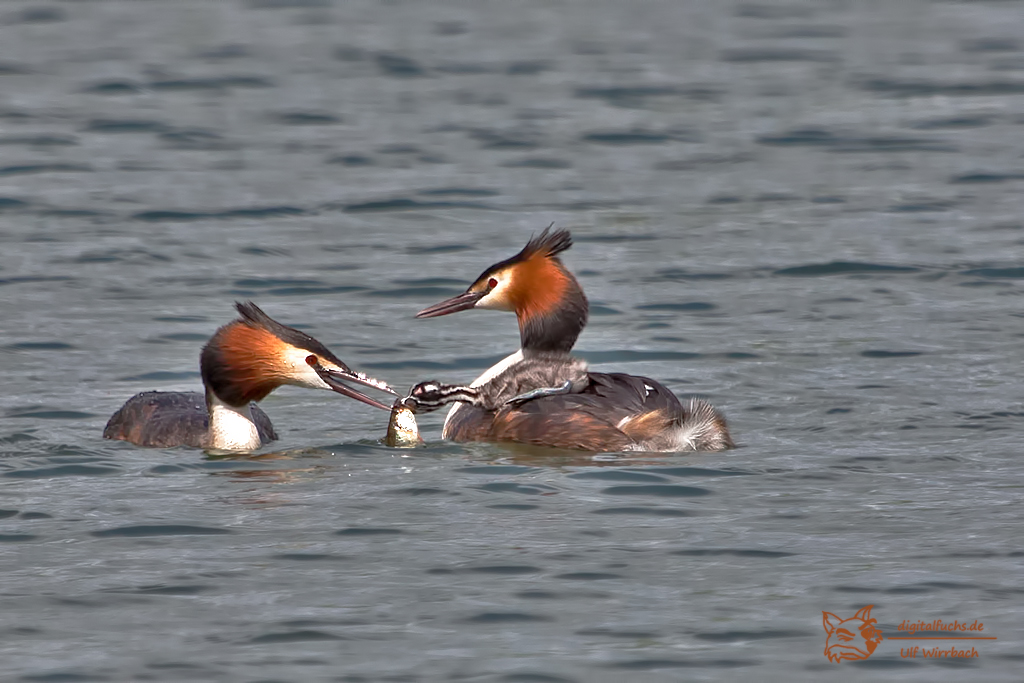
x=606, y=412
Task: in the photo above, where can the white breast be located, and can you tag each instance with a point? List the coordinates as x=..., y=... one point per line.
x=488, y=375
x=232, y=429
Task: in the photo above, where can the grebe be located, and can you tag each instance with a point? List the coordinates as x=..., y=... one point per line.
x=242, y=363
x=534, y=396
x=546, y=374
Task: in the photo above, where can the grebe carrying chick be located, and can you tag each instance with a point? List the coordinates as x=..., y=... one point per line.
x=242, y=363
x=542, y=395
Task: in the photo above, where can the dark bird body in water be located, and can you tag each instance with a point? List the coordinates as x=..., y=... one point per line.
x=242, y=363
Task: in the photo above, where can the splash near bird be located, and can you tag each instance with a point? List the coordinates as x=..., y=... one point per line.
x=242, y=363
x=541, y=395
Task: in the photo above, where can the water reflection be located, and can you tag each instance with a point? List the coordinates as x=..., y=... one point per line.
x=277, y=468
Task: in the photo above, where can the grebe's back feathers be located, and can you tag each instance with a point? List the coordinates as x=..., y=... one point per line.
x=614, y=412
x=532, y=373
x=164, y=419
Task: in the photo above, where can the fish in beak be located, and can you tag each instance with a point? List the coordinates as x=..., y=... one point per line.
x=335, y=378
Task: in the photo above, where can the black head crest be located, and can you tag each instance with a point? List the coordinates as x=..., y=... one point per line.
x=547, y=244
x=254, y=316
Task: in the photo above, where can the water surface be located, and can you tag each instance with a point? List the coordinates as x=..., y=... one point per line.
x=808, y=212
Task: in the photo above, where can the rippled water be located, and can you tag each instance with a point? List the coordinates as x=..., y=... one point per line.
x=809, y=212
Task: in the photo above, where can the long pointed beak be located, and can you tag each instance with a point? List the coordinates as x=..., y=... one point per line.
x=453, y=305
x=334, y=379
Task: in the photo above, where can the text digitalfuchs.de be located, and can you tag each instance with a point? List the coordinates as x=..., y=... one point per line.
x=939, y=625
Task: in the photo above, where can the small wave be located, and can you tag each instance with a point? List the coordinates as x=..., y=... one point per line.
x=847, y=142
x=126, y=126
x=923, y=88
x=406, y=204
x=497, y=469
x=46, y=413
x=196, y=139
x=538, y=162
x=399, y=66
x=142, y=530
x=881, y=353
x=657, y=491
x=982, y=177
x=997, y=273
x=62, y=471
x=247, y=212
x=26, y=169
x=842, y=268
x=39, y=346
x=17, y=538
x=350, y=160
x=40, y=140
x=636, y=96
x=682, y=306
x=644, y=511
x=9, y=203
x=513, y=487
x=303, y=118
x=733, y=552
x=696, y=472
x=117, y=87
x=507, y=618
x=772, y=54
x=588, y=576
x=744, y=636
x=300, y=636
x=628, y=356
x=460, y=192
x=954, y=122
x=617, y=475
x=636, y=136
x=39, y=15
x=215, y=83
x=368, y=531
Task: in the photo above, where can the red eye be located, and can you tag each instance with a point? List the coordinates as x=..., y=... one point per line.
x=312, y=360
x=492, y=283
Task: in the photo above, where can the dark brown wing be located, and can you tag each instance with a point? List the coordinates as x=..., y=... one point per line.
x=162, y=419
x=263, y=426
x=165, y=419
x=595, y=419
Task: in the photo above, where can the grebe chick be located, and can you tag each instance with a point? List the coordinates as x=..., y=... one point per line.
x=545, y=374
x=611, y=411
x=242, y=363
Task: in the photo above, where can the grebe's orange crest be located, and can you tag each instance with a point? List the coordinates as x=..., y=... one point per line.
x=248, y=358
x=851, y=639
x=531, y=283
x=251, y=356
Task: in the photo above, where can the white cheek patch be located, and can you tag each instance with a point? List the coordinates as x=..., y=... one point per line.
x=299, y=371
x=497, y=298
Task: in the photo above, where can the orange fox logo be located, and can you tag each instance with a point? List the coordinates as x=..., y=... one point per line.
x=853, y=638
